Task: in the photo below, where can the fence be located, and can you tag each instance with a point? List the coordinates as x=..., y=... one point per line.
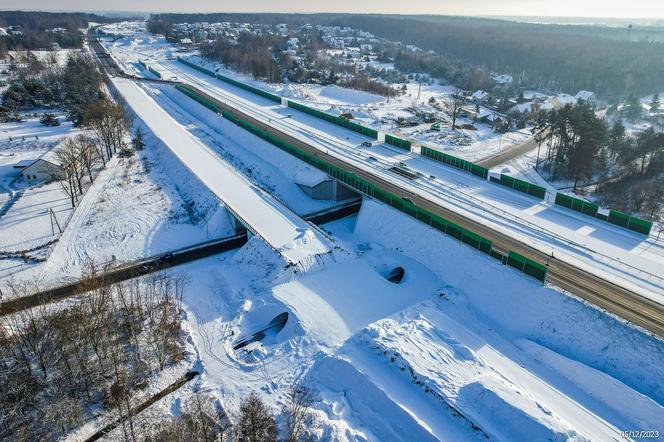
x=614, y=217
x=334, y=119
x=397, y=142
x=241, y=85
x=437, y=222
x=522, y=186
x=455, y=162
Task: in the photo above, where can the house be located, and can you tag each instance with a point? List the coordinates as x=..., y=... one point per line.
x=523, y=108
x=587, y=96
x=561, y=100
x=480, y=95
x=46, y=168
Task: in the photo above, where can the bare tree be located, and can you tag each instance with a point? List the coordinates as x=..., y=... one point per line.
x=256, y=424
x=110, y=123
x=69, y=157
x=88, y=153
x=453, y=104
x=297, y=410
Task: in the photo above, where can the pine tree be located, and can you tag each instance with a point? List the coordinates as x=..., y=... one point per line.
x=138, y=143
x=654, y=105
x=632, y=110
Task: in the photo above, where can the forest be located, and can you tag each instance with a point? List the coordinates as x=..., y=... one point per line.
x=32, y=29
x=626, y=171
x=552, y=58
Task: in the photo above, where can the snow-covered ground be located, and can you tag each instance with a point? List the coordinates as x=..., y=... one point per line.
x=463, y=348
x=29, y=212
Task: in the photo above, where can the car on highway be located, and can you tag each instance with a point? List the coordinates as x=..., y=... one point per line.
x=367, y=144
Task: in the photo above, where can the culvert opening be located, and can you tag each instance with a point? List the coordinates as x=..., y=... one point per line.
x=396, y=275
x=273, y=327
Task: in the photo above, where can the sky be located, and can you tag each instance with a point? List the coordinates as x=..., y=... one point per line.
x=558, y=8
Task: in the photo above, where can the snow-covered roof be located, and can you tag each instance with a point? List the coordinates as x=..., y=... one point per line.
x=23, y=164
x=524, y=107
x=566, y=99
x=585, y=95
x=480, y=95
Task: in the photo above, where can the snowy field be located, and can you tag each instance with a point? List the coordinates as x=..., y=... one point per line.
x=29, y=211
x=449, y=353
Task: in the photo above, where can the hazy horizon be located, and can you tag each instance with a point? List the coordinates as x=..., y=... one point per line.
x=564, y=9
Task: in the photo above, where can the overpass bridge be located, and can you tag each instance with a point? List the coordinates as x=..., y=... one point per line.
x=263, y=215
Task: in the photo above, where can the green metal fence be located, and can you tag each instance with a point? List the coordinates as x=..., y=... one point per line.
x=455, y=162
x=154, y=71
x=397, y=142
x=526, y=265
x=202, y=100
x=614, y=217
x=241, y=85
x=439, y=223
x=522, y=186
x=334, y=119
x=629, y=222
x=577, y=204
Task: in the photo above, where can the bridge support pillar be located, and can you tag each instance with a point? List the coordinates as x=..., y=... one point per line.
x=238, y=227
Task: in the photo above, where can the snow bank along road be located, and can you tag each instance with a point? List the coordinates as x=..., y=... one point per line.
x=614, y=294
x=294, y=238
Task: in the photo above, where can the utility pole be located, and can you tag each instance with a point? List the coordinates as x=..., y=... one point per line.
x=54, y=219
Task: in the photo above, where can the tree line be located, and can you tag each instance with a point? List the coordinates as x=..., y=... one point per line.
x=626, y=170
x=58, y=364
x=548, y=57
x=203, y=421
x=32, y=29
x=252, y=54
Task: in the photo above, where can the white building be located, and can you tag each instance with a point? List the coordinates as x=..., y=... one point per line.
x=46, y=168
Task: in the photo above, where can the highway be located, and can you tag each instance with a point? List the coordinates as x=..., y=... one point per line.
x=611, y=295
x=601, y=292
x=544, y=226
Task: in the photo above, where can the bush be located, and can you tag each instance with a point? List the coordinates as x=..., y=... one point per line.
x=50, y=120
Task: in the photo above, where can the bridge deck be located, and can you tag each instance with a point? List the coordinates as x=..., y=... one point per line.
x=263, y=215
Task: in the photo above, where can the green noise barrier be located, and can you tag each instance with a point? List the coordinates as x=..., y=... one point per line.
x=614, y=217
x=526, y=265
x=154, y=71
x=334, y=119
x=577, y=204
x=630, y=222
x=522, y=186
x=241, y=85
x=455, y=162
x=439, y=223
x=397, y=142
